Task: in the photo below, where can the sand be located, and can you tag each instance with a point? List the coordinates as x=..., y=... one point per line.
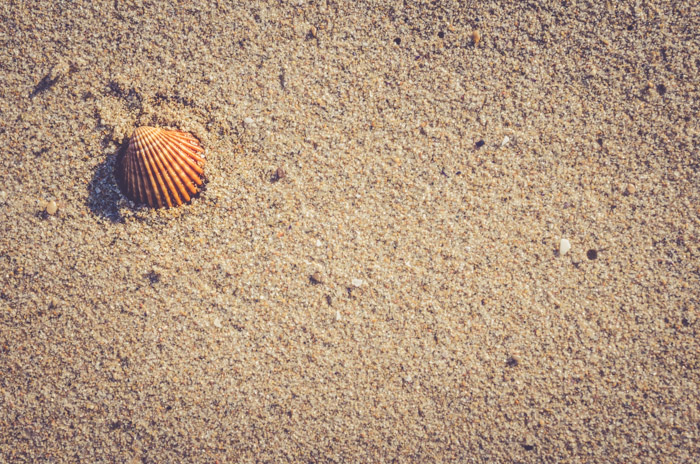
x=398, y=294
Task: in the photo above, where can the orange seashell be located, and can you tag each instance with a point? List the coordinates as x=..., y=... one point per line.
x=162, y=167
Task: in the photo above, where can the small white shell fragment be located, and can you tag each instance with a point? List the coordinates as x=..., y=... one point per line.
x=564, y=246
x=357, y=282
x=217, y=323
x=338, y=316
x=248, y=120
x=506, y=139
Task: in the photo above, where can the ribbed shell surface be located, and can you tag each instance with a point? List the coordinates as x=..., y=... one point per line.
x=162, y=167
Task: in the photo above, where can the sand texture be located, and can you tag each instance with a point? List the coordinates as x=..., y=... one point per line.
x=372, y=273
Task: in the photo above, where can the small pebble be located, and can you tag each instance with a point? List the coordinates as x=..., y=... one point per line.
x=506, y=139
x=217, y=323
x=357, y=282
x=564, y=246
x=630, y=189
x=476, y=38
x=316, y=278
x=3, y=197
x=51, y=207
x=248, y=120
x=337, y=316
x=480, y=144
x=278, y=175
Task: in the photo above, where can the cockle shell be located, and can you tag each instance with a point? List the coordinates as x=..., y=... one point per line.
x=162, y=167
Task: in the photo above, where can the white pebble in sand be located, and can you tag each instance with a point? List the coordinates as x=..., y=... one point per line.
x=248, y=121
x=564, y=246
x=357, y=282
x=217, y=323
x=51, y=207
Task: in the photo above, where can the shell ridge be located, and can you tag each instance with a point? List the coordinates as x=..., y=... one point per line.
x=174, y=171
x=134, y=186
x=187, y=139
x=191, y=158
x=164, y=164
x=161, y=192
x=147, y=178
x=190, y=149
x=191, y=165
x=188, y=175
x=158, y=169
x=157, y=172
x=162, y=167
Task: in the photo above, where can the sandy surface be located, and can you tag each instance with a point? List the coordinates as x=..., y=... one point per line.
x=398, y=296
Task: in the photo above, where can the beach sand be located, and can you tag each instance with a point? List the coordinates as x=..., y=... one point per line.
x=398, y=294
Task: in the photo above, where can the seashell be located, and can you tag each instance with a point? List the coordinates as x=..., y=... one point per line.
x=162, y=167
